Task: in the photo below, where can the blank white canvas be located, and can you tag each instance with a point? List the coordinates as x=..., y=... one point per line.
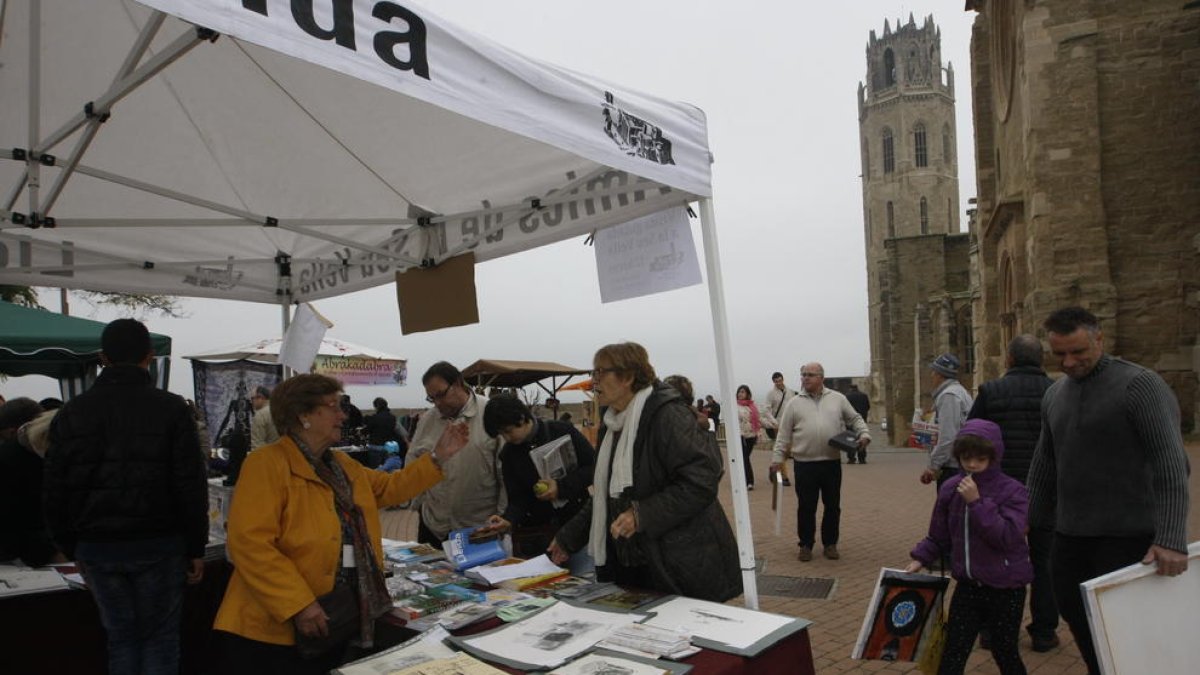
x=1144, y=623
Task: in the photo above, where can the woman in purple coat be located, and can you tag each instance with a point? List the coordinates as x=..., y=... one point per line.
x=979, y=520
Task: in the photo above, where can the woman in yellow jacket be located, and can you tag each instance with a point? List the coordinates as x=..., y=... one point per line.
x=304, y=518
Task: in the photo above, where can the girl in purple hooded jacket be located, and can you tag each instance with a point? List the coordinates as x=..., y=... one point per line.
x=979, y=520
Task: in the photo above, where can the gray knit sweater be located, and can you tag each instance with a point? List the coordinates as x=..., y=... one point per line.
x=1110, y=460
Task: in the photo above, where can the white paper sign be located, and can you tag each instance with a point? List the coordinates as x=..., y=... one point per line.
x=647, y=255
x=303, y=339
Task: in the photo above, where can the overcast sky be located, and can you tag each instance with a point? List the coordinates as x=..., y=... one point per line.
x=778, y=82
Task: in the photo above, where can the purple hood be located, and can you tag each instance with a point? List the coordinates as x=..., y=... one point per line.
x=985, y=540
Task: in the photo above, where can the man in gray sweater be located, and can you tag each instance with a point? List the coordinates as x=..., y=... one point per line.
x=1109, y=473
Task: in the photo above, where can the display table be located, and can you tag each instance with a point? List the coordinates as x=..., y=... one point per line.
x=60, y=631
x=792, y=654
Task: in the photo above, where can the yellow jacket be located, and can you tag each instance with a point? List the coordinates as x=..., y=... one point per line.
x=285, y=539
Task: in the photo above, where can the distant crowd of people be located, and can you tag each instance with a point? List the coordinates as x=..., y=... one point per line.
x=1040, y=483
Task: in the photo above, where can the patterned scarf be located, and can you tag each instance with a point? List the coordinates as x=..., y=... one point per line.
x=373, y=598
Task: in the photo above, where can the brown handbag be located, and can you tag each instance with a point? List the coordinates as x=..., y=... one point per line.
x=341, y=606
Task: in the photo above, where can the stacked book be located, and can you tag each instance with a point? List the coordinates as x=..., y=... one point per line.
x=652, y=640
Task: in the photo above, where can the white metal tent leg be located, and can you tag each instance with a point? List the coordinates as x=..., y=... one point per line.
x=741, y=504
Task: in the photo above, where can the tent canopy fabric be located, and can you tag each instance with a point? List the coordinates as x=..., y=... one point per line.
x=228, y=164
x=238, y=150
x=582, y=385
x=40, y=342
x=267, y=351
x=497, y=373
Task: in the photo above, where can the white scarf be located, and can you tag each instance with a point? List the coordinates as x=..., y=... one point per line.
x=624, y=424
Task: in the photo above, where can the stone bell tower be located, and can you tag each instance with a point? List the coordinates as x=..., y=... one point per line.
x=916, y=260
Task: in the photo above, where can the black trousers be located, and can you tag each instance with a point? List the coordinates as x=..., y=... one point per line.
x=1074, y=560
x=818, y=480
x=747, y=449
x=426, y=535
x=237, y=655
x=1042, y=607
x=996, y=610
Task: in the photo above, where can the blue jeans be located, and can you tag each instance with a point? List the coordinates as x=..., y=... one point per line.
x=140, y=605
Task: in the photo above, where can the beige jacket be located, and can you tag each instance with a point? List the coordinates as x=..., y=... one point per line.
x=808, y=422
x=473, y=488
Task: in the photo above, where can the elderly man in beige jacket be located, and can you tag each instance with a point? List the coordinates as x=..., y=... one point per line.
x=806, y=424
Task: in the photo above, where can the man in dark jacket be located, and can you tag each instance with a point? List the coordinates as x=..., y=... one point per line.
x=862, y=405
x=1014, y=402
x=125, y=495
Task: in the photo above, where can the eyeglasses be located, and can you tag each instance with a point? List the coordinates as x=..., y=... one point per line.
x=812, y=374
x=334, y=405
x=439, y=396
x=597, y=372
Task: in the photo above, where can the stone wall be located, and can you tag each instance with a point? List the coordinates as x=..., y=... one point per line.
x=1089, y=186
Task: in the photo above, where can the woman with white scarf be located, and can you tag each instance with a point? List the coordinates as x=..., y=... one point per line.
x=653, y=521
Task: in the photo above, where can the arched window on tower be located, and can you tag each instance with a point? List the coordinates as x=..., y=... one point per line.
x=949, y=215
x=920, y=151
x=866, y=159
x=924, y=216
x=891, y=220
x=947, y=154
x=889, y=68
x=889, y=154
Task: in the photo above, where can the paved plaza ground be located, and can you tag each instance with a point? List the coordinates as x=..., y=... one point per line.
x=885, y=510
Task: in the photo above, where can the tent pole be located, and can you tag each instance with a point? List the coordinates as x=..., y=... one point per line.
x=736, y=473
x=33, y=166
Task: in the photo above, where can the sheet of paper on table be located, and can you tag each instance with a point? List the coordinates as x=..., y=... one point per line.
x=459, y=664
x=547, y=639
x=733, y=626
x=424, y=648
x=593, y=663
x=530, y=568
x=16, y=580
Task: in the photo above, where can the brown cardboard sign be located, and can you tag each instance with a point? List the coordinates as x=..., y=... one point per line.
x=438, y=297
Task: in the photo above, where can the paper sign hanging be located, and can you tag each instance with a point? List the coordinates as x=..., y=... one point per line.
x=647, y=255
x=303, y=339
x=438, y=297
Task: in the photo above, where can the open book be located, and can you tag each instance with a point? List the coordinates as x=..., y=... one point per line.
x=554, y=460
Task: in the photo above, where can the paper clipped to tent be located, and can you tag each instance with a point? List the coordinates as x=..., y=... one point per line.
x=303, y=338
x=647, y=255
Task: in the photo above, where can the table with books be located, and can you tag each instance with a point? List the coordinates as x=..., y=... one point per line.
x=53, y=626
x=514, y=616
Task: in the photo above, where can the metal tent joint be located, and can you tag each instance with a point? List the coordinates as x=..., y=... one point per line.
x=32, y=221
x=89, y=111
x=535, y=204
x=23, y=155
x=271, y=221
x=424, y=221
x=147, y=265
x=207, y=34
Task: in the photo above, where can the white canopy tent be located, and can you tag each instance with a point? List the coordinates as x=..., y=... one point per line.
x=267, y=351
x=283, y=152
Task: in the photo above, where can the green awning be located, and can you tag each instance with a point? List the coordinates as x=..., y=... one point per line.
x=40, y=342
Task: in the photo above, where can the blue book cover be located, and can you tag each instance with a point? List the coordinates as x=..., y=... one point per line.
x=467, y=554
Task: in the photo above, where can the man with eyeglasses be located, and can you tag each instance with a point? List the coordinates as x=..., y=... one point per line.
x=473, y=488
x=808, y=421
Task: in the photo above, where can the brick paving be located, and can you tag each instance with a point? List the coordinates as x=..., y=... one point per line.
x=885, y=510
